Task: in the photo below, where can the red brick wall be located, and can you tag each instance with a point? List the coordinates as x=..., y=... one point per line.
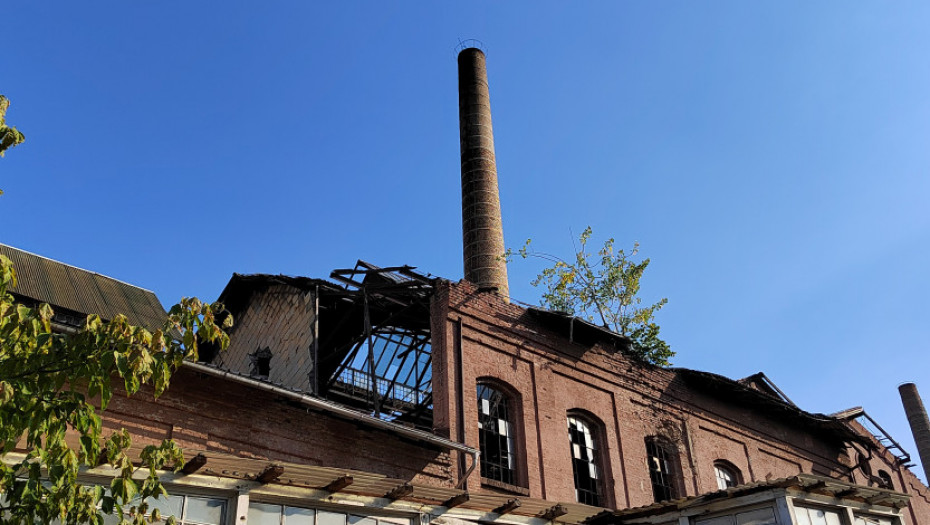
x=203, y=412
x=552, y=377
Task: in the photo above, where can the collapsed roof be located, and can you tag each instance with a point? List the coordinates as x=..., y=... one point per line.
x=774, y=404
x=374, y=329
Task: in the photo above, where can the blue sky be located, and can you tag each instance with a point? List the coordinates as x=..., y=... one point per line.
x=770, y=157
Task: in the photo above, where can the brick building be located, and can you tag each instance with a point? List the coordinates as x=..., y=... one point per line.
x=562, y=423
x=381, y=394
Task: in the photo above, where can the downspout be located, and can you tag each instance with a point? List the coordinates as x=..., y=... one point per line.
x=315, y=384
x=326, y=406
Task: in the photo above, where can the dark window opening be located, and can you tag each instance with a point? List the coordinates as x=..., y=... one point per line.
x=495, y=436
x=885, y=480
x=585, y=461
x=261, y=363
x=661, y=470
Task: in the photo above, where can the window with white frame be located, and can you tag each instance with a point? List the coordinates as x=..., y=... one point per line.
x=873, y=520
x=271, y=514
x=188, y=509
x=816, y=516
x=727, y=475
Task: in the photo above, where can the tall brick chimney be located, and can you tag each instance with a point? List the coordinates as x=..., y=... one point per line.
x=920, y=425
x=482, y=229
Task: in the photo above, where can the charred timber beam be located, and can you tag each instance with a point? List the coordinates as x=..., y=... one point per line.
x=271, y=473
x=339, y=484
x=511, y=505
x=402, y=491
x=102, y=457
x=553, y=512
x=455, y=501
x=345, y=280
x=194, y=464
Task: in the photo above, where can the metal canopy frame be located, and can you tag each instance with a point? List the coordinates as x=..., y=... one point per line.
x=370, y=348
x=386, y=366
x=880, y=434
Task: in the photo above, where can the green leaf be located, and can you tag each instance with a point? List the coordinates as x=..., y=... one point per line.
x=603, y=288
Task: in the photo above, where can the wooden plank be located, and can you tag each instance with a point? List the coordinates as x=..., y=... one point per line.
x=553, y=512
x=508, y=507
x=339, y=483
x=455, y=501
x=270, y=473
x=194, y=464
x=399, y=492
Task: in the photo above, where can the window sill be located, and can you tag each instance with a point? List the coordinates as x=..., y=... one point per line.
x=521, y=491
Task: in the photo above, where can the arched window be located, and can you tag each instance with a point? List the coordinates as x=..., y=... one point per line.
x=586, y=460
x=663, y=469
x=727, y=475
x=885, y=478
x=496, y=435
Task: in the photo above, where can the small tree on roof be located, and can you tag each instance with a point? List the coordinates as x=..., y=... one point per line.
x=603, y=288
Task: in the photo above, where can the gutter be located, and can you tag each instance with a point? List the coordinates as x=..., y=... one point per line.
x=341, y=411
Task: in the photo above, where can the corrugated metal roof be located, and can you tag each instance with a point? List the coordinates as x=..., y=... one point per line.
x=82, y=291
x=839, y=489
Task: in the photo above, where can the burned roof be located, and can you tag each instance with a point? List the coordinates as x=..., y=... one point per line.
x=373, y=324
x=760, y=381
x=578, y=330
x=384, y=288
x=235, y=296
x=81, y=292
x=739, y=393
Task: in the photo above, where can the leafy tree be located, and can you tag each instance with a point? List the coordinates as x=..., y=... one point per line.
x=9, y=136
x=602, y=288
x=52, y=386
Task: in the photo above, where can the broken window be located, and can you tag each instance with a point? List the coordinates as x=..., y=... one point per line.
x=661, y=469
x=261, y=363
x=862, y=519
x=585, y=460
x=495, y=435
x=727, y=475
x=885, y=480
